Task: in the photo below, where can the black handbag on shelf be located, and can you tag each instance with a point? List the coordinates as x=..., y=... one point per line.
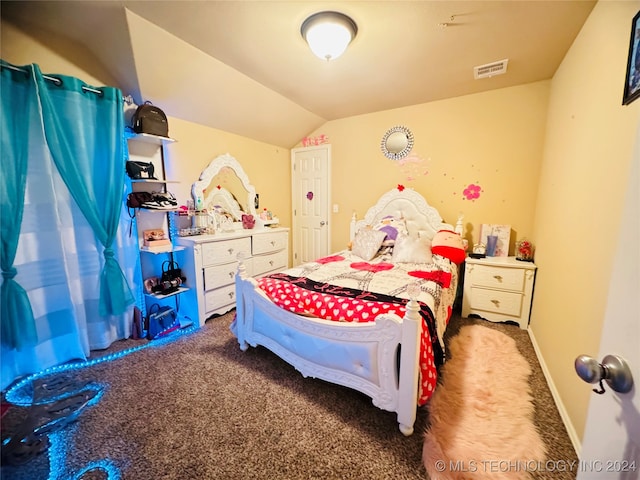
x=171, y=272
x=140, y=170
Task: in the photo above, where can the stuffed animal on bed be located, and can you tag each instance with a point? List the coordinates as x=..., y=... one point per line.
x=448, y=244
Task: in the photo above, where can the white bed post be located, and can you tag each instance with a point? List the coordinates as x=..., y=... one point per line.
x=352, y=227
x=409, y=364
x=240, y=321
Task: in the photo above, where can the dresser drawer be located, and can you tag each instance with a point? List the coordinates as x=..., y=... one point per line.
x=226, y=251
x=220, y=275
x=269, y=242
x=496, y=301
x=498, y=277
x=221, y=297
x=266, y=263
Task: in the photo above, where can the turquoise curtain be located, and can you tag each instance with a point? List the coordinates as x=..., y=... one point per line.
x=17, y=100
x=85, y=135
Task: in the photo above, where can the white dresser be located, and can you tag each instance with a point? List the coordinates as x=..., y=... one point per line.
x=213, y=262
x=498, y=289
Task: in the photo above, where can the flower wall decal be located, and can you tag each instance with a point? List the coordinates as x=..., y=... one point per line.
x=310, y=196
x=400, y=187
x=472, y=192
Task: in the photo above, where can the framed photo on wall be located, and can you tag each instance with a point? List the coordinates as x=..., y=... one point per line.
x=503, y=232
x=632, y=80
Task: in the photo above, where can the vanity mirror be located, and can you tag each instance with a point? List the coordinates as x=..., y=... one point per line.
x=397, y=142
x=224, y=184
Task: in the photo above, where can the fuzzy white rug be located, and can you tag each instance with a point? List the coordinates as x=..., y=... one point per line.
x=481, y=416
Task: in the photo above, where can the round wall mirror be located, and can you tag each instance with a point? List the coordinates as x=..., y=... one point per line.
x=397, y=142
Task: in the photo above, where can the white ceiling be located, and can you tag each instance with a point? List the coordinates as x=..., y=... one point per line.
x=243, y=67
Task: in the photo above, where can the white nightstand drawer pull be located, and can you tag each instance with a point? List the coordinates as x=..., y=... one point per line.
x=498, y=277
x=230, y=251
x=231, y=294
x=504, y=303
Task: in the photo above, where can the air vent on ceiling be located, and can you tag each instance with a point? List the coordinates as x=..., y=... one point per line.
x=490, y=69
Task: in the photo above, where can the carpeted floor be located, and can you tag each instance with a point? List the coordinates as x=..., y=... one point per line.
x=199, y=408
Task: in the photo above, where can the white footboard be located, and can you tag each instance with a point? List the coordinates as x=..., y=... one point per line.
x=379, y=359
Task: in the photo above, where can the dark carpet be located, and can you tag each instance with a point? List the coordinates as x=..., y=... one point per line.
x=199, y=408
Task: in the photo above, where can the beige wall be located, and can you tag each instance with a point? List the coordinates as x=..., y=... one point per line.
x=551, y=158
x=492, y=139
x=590, y=137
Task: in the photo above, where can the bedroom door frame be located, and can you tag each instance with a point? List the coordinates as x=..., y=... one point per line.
x=312, y=232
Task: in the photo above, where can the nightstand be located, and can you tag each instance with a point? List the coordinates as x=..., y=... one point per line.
x=498, y=289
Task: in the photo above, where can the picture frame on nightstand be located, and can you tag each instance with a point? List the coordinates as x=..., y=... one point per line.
x=503, y=232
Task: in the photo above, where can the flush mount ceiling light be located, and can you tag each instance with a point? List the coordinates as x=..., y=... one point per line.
x=328, y=33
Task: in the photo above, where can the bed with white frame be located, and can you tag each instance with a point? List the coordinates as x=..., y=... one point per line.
x=378, y=358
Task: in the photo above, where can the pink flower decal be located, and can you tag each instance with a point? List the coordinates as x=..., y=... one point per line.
x=310, y=196
x=472, y=192
x=400, y=187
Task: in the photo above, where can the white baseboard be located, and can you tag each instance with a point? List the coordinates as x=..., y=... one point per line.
x=571, y=431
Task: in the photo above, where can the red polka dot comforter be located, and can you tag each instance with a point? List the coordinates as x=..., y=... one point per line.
x=343, y=288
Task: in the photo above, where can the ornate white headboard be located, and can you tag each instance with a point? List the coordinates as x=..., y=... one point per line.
x=420, y=217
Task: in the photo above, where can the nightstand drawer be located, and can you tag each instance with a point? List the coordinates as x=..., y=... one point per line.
x=496, y=301
x=269, y=242
x=219, y=298
x=215, y=253
x=498, y=277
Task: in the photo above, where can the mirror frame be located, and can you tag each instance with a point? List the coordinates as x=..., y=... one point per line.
x=407, y=148
x=214, y=167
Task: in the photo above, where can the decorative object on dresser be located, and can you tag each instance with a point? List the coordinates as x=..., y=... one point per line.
x=495, y=238
x=498, y=289
x=373, y=325
x=524, y=250
x=151, y=206
x=212, y=259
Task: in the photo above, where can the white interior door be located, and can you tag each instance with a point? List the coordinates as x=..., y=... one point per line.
x=310, y=176
x=611, y=443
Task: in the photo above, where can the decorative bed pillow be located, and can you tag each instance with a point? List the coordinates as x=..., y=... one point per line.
x=411, y=249
x=392, y=227
x=367, y=243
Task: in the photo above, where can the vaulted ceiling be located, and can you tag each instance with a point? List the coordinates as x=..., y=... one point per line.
x=243, y=66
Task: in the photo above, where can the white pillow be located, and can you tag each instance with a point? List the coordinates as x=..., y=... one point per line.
x=411, y=249
x=392, y=227
x=367, y=243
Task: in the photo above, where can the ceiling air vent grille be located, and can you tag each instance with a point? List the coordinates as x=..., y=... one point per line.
x=490, y=69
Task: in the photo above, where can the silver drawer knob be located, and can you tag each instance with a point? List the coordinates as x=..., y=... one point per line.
x=230, y=251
